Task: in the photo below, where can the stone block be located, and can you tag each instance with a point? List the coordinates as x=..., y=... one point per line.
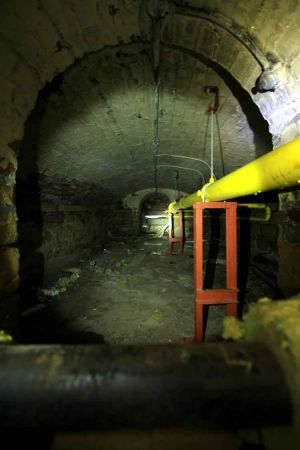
x=8, y=227
x=6, y=195
x=9, y=152
x=7, y=168
x=11, y=124
x=9, y=270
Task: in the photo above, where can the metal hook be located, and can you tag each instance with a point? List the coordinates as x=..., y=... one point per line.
x=213, y=90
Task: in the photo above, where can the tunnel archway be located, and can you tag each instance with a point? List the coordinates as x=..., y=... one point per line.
x=66, y=103
x=85, y=143
x=49, y=143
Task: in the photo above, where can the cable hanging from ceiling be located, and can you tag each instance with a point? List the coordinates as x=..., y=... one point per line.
x=156, y=138
x=177, y=184
x=157, y=13
x=188, y=157
x=212, y=110
x=183, y=168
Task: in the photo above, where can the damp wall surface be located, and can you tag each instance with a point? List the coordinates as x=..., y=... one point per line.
x=289, y=229
x=50, y=238
x=289, y=243
x=57, y=235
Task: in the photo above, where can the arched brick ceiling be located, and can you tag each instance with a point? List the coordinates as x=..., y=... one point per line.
x=98, y=125
x=40, y=39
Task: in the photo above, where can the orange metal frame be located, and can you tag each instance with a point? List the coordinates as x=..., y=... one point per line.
x=228, y=296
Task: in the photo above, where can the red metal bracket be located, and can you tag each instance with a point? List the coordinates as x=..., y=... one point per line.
x=213, y=90
x=226, y=296
x=176, y=240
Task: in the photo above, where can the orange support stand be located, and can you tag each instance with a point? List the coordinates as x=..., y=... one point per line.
x=228, y=296
x=176, y=240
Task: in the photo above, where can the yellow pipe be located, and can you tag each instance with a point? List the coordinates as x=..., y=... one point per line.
x=268, y=211
x=253, y=205
x=278, y=169
x=266, y=218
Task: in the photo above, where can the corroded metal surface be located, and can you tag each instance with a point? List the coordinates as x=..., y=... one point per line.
x=92, y=387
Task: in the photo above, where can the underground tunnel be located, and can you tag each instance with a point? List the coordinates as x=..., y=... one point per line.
x=118, y=119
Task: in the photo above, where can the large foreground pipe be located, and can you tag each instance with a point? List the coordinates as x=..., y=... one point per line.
x=277, y=169
x=94, y=387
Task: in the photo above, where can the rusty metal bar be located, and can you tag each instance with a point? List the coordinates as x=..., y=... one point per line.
x=226, y=296
x=231, y=257
x=102, y=387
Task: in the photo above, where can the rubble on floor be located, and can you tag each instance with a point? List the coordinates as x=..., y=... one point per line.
x=67, y=278
x=131, y=293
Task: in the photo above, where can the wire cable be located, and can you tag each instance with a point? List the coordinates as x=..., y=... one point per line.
x=184, y=168
x=203, y=191
x=156, y=140
x=212, y=146
x=187, y=157
x=177, y=184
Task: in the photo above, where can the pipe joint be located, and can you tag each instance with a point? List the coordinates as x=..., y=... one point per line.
x=171, y=209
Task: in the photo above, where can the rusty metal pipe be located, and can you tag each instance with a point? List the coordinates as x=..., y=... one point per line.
x=101, y=387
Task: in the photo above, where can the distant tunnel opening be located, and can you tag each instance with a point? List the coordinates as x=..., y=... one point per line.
x=153, y=218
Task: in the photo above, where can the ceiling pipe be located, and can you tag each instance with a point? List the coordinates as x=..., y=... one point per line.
x=278, y=169
x=267, y=211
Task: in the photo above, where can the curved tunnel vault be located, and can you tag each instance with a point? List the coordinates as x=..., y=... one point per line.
x=93, y=131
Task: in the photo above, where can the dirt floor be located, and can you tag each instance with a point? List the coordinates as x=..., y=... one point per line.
x=131, y=293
